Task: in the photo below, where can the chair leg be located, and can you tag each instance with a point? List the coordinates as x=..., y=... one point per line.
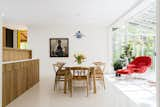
x=94, y=84
x=68, y=86
x=71, y=87
x=104, y=83
x=87, y=86
x=90, y=85
x=65, y=86
x=55, y=83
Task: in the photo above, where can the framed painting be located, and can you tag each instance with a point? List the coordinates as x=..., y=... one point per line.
x=59, y=47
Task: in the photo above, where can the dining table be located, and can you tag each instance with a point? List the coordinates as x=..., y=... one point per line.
x=68, y=75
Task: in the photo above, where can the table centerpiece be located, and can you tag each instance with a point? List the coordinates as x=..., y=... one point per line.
x=79, y=58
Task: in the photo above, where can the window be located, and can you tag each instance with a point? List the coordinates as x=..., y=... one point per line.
x=139, y=31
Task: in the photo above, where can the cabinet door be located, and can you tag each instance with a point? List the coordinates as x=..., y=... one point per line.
x=19, y=78
x=33, y=73
x=8, y=83
x=12, y=78
x=24, y=85
x=29, y=74
x=4, y=90
x=37, y=70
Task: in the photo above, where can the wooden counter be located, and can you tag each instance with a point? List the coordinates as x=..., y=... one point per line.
x=18, y=77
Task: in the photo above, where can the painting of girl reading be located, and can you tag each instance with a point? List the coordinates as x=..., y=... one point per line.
x=59, y=47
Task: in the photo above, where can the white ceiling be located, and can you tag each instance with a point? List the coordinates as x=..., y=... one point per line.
x=44, y=12
x=146, y=18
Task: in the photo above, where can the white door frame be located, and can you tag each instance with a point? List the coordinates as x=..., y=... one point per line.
x=0, y=61
x=158, y=54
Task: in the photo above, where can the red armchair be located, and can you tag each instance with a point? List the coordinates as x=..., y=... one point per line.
x=138, y=65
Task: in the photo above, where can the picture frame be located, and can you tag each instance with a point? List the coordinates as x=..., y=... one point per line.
x=59, y=47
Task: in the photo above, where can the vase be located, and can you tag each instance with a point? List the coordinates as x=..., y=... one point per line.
x=79, y=61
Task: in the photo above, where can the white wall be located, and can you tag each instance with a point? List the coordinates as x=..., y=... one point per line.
x=0, y=62
x=94, y=45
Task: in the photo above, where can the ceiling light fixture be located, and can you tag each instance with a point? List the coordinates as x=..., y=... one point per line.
x=78, y=34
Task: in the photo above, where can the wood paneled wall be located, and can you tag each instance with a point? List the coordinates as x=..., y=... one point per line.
x=4, y=37
x=19, y=77
x=12, y=54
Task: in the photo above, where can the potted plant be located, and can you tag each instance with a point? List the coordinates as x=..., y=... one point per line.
x=117, y=65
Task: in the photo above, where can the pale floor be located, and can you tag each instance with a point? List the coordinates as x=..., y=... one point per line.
x=42, y=95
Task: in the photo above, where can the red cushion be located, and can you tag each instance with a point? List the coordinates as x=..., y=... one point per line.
x=142, y=61
x=140, y=69
x=123, y=71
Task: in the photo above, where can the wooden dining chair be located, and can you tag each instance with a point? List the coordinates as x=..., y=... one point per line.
x=59, y=73
x=80, y=74
x=99, y=71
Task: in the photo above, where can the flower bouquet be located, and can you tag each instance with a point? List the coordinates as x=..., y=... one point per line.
x=79, y=58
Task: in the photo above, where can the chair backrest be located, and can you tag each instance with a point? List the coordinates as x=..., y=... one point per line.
x=99, y=66
x=58, y=66
x=142, y=61
x=79, y=71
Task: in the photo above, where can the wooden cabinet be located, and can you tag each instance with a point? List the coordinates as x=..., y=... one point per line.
x=19, y=77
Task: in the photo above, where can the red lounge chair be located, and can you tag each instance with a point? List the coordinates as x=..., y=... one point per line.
x=138, y=65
